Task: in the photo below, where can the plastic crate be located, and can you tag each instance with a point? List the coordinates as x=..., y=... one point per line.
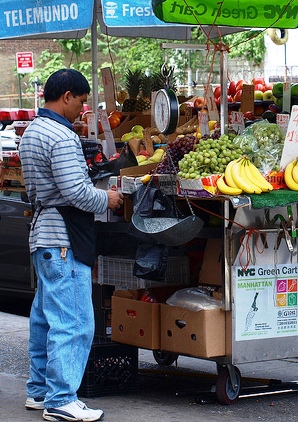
x=112, y=369
x=119, y=272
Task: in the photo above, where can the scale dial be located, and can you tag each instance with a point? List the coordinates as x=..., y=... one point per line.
x=166, y=111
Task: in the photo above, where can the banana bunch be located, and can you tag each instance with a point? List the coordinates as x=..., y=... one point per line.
x=242, y=176
x=291, y=175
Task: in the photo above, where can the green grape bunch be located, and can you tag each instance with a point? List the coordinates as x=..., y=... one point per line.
x=209, y=156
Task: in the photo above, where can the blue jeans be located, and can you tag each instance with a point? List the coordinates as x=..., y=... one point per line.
x=61, y=327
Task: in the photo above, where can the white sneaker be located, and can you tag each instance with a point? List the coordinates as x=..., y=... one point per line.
x=75, y=411
x=34, y=403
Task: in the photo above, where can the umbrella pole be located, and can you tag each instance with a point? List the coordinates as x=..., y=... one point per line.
x=94, y=66
x=223, y=89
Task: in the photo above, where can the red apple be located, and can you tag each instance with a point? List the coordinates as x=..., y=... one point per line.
x=230, y=99
x=240, y=83
x=258, y=80
x=268, y=87
x=232, y=88
x=144, y=152
x=259, y=87
x=238, y=95
x=249, y=115
x=216, y=92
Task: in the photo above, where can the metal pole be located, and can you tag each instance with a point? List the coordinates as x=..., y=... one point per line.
x=94, y=66
x=223, y=90
x=20, y=91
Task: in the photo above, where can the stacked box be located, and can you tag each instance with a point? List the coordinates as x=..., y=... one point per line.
x=112, y=369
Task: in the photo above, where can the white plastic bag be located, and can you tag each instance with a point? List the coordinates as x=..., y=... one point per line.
x=193, y=298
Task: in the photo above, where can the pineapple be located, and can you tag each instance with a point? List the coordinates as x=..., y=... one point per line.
x=144, y=103
x=132, y=85
x=160, y=82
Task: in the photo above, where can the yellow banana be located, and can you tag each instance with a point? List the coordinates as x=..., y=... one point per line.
x=295, y=171
x=241, y=180
x=243, y=174
x=290, y=182
x=146, y=178
x=226, y=189
x=228, y=174
x=254, y=175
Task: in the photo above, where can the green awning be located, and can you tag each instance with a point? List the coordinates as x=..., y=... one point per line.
x=281, y=14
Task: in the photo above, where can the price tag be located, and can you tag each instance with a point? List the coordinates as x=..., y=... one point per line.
x=282, y=121
x=237, y=121
x=103, y=116
x=211, y=104
x=91, y=126
x=290, y=149
x=203, y=123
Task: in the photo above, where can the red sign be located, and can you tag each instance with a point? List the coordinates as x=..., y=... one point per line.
x=25, y=62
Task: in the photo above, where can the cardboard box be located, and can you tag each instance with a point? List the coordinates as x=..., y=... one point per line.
x=135, y=322
x=138, y=170
x=212, y=272
x=199, y=334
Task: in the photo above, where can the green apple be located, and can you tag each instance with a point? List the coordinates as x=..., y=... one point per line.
x=267, y=95
x=278, y=89
x=137, y=129
x=294, y=90
x=127, y=136
x=278, y=102
x=258, y=95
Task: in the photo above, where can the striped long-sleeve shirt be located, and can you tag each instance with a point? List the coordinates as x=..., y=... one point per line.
x=55, y=173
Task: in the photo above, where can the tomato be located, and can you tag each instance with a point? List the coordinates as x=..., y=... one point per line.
x=84, y=115
x=114, y=121
x=116, y=113
x=199, y=102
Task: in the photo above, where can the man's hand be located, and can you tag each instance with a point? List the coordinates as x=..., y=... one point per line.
x=115, y=199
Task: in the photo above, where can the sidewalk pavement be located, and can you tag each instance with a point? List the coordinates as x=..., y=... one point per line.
x=165, y=394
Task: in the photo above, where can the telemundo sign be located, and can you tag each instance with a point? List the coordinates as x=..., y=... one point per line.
x=32, y=17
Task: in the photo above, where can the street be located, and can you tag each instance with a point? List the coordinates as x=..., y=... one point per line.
x=167, y=394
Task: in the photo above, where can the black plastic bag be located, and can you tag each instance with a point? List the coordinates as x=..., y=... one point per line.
x=126, y=159
x=151, y=261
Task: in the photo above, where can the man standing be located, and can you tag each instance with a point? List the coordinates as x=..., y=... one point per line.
x=65, y=200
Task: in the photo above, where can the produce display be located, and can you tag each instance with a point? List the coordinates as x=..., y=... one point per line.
x=209, y=156
x=291, y=175
x=241, y=176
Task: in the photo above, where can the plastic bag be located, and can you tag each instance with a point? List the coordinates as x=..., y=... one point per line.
x=193, y=298
x=263, y=143
x=151, y=261
x=126, y=159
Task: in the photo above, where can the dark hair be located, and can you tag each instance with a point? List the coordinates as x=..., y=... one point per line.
x=65, y=80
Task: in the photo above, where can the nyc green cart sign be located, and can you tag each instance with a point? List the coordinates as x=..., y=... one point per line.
x=241, y=13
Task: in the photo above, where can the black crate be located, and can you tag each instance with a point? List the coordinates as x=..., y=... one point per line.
x=112, y=369
x=102, y=318
x=101, y=296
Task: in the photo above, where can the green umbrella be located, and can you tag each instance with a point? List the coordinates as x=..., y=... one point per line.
x=252, y=14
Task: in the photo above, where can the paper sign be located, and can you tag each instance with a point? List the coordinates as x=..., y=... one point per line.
x=286, y=101
x=203, y=123
x=247, y=99
x=109, y=89
x=211, y=104
x=91, y=126
x=103, y=117
x=237, y=121
x=282, y=121
x=290, y=149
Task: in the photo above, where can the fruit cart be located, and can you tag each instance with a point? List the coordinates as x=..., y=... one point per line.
x=251, y=264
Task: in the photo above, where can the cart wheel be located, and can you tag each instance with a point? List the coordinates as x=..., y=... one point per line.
x=164, y=358
x=225, y=392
